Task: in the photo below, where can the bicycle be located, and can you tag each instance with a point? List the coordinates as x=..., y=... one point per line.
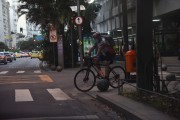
x=85, y=78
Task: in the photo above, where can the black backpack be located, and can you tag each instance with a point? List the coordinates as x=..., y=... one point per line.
x=110, y=41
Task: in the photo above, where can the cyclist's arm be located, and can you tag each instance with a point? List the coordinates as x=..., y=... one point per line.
x=91, y=49
x=99, y=50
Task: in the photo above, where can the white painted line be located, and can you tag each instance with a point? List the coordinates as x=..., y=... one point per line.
x=20, y=71
x=37, y=71
x=3, y=72
x=58, y=94
x=22, y=95
x=85, y=117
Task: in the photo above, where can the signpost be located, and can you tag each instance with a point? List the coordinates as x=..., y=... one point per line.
x=52, y=34
x=53, y=38
x=79, y=20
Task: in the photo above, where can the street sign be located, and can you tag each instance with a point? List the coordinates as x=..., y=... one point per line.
x=52, y=34
x=78, y=20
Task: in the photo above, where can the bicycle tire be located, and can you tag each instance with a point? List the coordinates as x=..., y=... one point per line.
x=115, y=74
x=82, y=82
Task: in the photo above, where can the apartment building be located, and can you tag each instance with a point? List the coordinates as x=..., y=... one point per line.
x=5, y=23
x=1, y=23
x=13, y=22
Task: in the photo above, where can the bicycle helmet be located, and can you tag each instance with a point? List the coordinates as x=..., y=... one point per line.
x=96, y=35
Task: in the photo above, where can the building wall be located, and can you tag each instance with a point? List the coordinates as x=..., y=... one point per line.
x=165, y=6
x=110, y=16
x=1, y=24
x=6, y=22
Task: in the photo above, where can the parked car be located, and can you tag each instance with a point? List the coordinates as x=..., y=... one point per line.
x=17, y=55
x=3, y=58
x=24, y=54
x=8, y=55
x=13, y=55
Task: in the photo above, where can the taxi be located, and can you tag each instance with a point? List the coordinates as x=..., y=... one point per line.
x=34, y=54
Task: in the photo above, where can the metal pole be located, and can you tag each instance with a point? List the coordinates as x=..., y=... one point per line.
x=54, y=52
x=72, y=48
x=80, y=37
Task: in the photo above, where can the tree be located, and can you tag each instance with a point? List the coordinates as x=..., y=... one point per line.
x=45, y=12
x=3, y=47
x=29, y=45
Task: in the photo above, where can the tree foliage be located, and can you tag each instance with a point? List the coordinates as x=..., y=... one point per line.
x=58, y=13
x=3, y=46
x=29, y=45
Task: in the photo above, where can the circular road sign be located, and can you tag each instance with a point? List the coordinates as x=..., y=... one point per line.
x=78, y=20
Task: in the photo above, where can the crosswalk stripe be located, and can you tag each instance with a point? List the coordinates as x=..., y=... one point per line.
x=22, y=95
x=58, y=94
x=20, y=71
x=37, y=71
x=3, y=72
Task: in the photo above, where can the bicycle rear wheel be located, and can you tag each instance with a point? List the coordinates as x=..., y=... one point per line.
x=84, y=80
x=116, y=73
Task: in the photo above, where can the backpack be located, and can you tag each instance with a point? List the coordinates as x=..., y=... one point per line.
x=110, y=45
x=109, y=40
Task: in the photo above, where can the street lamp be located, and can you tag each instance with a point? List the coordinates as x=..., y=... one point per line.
x=89, y=1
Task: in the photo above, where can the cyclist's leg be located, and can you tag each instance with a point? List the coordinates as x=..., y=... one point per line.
x=97, y=61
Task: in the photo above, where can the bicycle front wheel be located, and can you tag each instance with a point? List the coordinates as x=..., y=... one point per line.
x=84, y=80
x=116, y=76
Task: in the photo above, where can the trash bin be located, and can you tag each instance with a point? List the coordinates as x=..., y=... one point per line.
x=130, y=57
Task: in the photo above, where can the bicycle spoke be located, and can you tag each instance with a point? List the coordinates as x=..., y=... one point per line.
x=116, y=74
x=84, y=80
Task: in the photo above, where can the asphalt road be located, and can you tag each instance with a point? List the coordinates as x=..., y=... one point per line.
x=27, y=92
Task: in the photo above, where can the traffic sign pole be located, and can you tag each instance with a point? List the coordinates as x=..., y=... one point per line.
x=80, y=37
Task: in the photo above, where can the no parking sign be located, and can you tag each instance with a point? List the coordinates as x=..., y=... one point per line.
x=52, y=34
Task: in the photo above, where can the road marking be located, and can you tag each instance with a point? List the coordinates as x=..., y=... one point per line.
x=24, y=79
x=58, y=94
x=45, y=78
x=20, y=72
x=22, y=95
x=37, y=71
x=3, y=72
x=85, y=117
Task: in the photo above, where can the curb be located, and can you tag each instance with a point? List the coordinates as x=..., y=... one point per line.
x=132, y=109
x=118, y=107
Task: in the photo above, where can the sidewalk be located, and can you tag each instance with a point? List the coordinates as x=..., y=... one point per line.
x=133, y=109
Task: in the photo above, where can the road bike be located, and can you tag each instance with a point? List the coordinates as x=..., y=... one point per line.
x=85, y=78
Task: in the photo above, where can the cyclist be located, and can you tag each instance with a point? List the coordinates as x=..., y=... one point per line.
x=103, y=52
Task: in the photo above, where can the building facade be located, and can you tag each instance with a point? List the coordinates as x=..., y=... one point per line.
x=110, y=20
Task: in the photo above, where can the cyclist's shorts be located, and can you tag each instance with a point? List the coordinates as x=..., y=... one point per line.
x=105, y=58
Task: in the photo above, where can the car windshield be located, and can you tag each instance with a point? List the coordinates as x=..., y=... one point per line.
x=6, y=53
